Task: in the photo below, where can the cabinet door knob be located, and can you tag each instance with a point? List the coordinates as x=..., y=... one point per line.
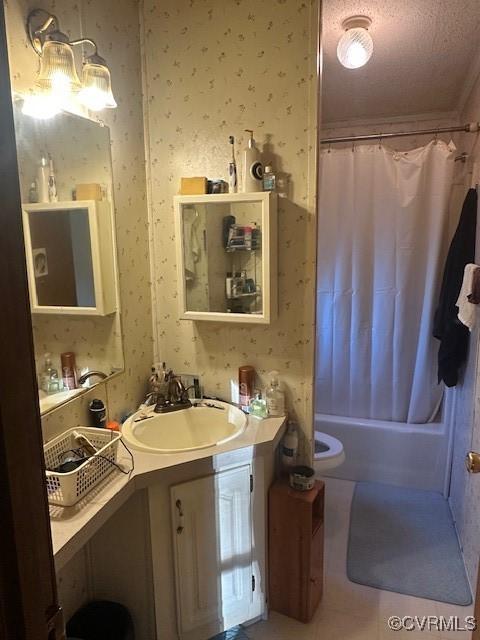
x=472, y=462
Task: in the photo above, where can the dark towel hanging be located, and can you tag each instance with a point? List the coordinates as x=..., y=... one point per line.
x=447, y=328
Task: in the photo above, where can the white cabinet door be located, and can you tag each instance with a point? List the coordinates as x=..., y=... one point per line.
x=212, y=530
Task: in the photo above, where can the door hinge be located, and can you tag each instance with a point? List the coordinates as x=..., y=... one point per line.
x=251, y=483
x=253, y=583
x=56, y=625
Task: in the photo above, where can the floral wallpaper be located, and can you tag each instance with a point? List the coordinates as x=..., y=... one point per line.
x=259, y=71
x=213, y=69
x=114, y=25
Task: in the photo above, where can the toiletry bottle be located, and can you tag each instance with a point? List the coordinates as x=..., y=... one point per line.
x=269, y=179
x=42, y=180
x=55, y=385
x=232, y=169
x=52, y=183
x=98, y=413
x=290, y=446
x=227, y=223
x=49, y=380
x=246, y=382
x=275, y=396
x=247, y=234
x=238, y=284
x=46, y=373
x=252, y=170
x=256, y=236
x=258, y=406
x=33, y=193
x=69, y=371
x=228, y=285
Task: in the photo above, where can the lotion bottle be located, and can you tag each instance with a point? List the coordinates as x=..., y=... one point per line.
x=290, y=447
x=252, y=169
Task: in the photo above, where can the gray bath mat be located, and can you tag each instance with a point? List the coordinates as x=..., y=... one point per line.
x=404, y=540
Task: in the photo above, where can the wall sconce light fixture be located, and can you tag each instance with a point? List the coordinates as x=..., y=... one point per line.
x=57, y=80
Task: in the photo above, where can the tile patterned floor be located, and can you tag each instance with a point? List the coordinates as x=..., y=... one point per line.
x=350, y=611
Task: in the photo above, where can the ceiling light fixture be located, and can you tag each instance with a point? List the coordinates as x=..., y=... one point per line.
x=57, y=81
x=355, y=47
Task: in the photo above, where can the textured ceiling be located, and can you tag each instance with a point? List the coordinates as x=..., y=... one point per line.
x=425, y=54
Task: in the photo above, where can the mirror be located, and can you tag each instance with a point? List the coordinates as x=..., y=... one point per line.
x=225, y=256
x=62, y=258
x=70, y=250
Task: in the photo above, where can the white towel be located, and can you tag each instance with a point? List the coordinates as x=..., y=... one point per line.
x=191, y=247
x=467, y=310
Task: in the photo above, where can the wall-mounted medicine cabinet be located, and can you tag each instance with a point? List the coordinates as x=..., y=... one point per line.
x=71, y=260
x=227, y=257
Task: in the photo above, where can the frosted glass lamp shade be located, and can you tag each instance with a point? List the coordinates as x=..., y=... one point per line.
x=355, y=48
x=57, y=73
x=96, y=93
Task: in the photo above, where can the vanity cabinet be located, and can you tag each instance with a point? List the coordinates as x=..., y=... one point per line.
x=227, y=257
x=208, y=541
x=212, y=533
x=71, y=260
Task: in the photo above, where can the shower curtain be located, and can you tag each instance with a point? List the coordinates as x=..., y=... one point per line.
x=383, y=223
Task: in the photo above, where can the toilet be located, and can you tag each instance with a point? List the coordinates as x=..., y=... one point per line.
x=328, y=453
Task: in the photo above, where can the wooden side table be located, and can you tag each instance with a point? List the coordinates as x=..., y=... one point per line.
x=295, y=540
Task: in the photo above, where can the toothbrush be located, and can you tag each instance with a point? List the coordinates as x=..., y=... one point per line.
x=232, y=169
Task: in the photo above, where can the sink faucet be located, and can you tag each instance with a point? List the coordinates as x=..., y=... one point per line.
x=88, y=374
x=176, y=390
x=177, y=397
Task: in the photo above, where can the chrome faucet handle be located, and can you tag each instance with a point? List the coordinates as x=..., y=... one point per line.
x=176, y=389
x=185, y=391
x=150, y=399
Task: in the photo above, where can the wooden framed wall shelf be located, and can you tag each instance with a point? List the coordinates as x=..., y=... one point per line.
x=71, y=257
x=226, y=247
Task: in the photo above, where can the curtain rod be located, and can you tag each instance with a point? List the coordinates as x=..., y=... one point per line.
x=471, y=127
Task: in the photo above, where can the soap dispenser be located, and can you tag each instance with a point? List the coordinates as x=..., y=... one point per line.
x=252, y=169
x=49, y=380
x=275, y=396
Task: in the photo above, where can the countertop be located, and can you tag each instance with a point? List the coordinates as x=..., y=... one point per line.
x=72, y=527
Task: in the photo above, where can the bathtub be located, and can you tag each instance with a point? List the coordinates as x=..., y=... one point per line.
x=408, y=455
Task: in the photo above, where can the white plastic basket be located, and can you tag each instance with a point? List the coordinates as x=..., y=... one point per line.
x=66, y=489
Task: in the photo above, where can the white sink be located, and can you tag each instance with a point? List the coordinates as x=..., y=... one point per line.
x=197, y=427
